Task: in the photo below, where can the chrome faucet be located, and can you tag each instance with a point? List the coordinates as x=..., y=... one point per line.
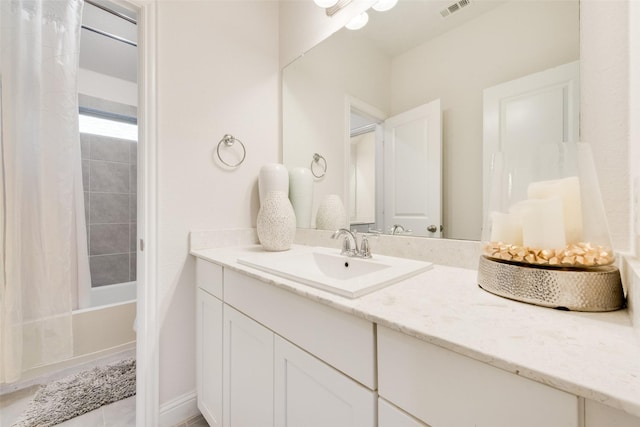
x=396, y=228
x=350, y=244
x=348, y=248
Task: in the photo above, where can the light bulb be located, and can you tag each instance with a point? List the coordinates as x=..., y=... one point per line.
x=358, y=21
x=384, y=5
x=325, y=3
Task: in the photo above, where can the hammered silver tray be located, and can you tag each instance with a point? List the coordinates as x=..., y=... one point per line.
x=593, y=289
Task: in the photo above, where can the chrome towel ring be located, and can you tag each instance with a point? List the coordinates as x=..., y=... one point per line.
x=229, y=140
x=316, y=160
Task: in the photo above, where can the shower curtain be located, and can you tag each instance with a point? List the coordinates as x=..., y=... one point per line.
x=44, y=243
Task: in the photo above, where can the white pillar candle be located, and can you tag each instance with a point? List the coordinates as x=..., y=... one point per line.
x=542, y=222
x=506, y=228
x=568, y=189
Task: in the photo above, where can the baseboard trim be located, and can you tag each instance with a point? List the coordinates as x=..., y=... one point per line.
x=179, y=410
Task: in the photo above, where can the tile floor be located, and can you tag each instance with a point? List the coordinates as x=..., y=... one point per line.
x=117, y=414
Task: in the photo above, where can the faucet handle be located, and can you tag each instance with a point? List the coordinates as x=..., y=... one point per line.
x=365, y=249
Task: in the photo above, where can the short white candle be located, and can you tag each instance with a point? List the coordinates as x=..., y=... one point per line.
x=506, y=228
x=542, y=222
x=568, y=189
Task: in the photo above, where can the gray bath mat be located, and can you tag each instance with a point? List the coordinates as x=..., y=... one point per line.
x=80, y=393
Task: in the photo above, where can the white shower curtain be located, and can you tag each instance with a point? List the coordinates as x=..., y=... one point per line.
x=44, y=245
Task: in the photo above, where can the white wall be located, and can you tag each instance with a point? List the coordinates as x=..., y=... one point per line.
x=218, y=73
x=107, y=87
x=511, y=41
x=604, y=92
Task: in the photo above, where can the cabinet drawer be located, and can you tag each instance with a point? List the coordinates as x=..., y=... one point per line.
x=599, y=415
x=446, y=389
x=209, y=277
x=343, y=341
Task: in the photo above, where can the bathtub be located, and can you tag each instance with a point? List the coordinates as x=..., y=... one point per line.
x=100, y=335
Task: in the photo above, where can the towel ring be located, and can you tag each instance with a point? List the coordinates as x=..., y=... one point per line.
x=229, y=140
x=316, y=159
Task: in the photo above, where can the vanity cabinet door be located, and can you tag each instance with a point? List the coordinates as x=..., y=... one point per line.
x=391, y=416
x=247, y=371
x=310, y=393
x=209, y=357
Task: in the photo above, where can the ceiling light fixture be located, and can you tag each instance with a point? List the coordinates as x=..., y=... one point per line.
x=325, y=3
x=384, y=5
x=332, y=7
x=358, y=21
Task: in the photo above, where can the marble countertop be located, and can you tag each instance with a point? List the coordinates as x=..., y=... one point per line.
x=592, y=355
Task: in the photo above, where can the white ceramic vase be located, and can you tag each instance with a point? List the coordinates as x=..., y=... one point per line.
x=331, y=214
x=272, y=177
x=276, y=222
x=301, y=195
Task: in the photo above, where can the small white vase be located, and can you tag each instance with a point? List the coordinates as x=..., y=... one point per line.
x=272, y=177
x=276, y=222
x=301, y=195
x=331, y=214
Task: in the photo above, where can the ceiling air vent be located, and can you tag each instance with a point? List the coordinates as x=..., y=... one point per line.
x=455, y=7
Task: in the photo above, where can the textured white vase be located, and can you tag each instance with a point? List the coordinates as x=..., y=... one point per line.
x=276, y=223
x=301, y=195
x=272, y=177
x=331, y=214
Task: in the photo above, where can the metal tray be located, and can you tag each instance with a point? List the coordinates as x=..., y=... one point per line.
x=593, y=289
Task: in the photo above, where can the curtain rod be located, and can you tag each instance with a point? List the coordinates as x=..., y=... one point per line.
x=111, y=11
x=111, y=36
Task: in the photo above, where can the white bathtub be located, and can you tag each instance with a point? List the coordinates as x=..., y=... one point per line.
x=100, y=334
x=112, y=294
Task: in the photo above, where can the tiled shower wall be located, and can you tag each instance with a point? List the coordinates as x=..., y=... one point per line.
x=109, y=180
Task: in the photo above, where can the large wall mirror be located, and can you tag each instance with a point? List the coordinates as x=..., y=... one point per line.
x=409, y=71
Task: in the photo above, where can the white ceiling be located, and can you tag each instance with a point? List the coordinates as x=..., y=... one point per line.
x=413, y=22
x=102, y=54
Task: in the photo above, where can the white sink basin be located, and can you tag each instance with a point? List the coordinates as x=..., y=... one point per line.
x=326, y=269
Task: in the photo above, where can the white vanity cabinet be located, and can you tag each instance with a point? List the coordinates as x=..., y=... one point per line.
x=310, y=393
x=444, y=389
x=266, y=356
x=209, y=342
x=247, y=371
x=599, y=415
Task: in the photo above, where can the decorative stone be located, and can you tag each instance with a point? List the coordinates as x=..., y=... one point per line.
x=331, y=214
x=276, y=222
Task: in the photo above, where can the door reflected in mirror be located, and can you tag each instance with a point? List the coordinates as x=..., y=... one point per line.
x=362, y=170
x=402, y=59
